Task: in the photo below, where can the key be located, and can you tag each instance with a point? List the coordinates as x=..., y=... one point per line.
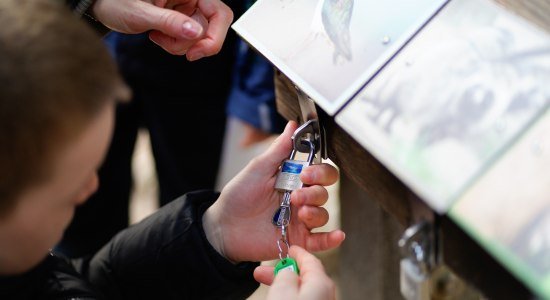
x=282, y=214
x=287, y=263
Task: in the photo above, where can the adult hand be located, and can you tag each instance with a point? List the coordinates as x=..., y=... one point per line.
x=312, y=284
x=196, y=28
x=239, y=224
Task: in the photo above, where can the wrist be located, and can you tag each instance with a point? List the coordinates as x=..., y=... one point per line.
x=214, y=231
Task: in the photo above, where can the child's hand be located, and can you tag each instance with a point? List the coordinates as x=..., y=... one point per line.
x=312, y=284
x=239, y=224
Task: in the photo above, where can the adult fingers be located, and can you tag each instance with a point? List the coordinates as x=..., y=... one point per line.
x=323, y=174
x=315, y=282
x=307, y=262
x=285, y=286
x=169, y=44
x=219, y=17
x=178, y=46
x=171, y=22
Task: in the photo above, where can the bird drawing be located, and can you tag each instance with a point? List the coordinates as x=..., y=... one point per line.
x=331, y=24
x=336, y=17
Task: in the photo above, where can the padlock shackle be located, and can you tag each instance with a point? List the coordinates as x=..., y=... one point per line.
x=311, y=155
x=310, y=127
x=306, y=143
x=292, y=154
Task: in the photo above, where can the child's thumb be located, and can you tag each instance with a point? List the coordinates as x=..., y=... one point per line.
x=280, y=149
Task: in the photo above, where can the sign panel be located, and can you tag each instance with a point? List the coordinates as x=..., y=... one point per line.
x=508, y=209
x=453, y=99
x=331, y=48
x=462, y=116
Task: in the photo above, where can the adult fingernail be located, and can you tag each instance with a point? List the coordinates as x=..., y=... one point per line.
x=190, y=30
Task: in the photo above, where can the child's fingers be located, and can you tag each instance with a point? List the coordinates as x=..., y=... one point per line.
x=324, y=240
x=323, y=174
x=278, y=151
x=313, y=216
x=312, y=195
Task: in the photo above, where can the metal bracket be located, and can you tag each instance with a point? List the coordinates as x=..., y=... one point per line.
x=417, y=243
x=307, y=106
x=310, y=131
x=315, y=131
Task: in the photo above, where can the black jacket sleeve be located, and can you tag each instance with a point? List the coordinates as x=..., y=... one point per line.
x=167, y=256
x=81, y=8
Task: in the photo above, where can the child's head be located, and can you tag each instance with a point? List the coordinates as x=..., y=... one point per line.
x=57, y=96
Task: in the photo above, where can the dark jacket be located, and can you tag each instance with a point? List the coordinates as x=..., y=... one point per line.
x=166, y=256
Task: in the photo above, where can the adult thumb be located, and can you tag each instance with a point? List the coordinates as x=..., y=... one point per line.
x=174, y=23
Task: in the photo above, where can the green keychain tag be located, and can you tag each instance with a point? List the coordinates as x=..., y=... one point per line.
x=287, y=263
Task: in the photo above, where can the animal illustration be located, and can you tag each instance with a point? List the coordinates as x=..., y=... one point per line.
x=336, y=17
x=533, y=243
x=331, y=23
x=478, y=86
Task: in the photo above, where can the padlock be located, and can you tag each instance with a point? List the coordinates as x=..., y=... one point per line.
x=414, y=282
x=416, y=246
x=288, y=178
